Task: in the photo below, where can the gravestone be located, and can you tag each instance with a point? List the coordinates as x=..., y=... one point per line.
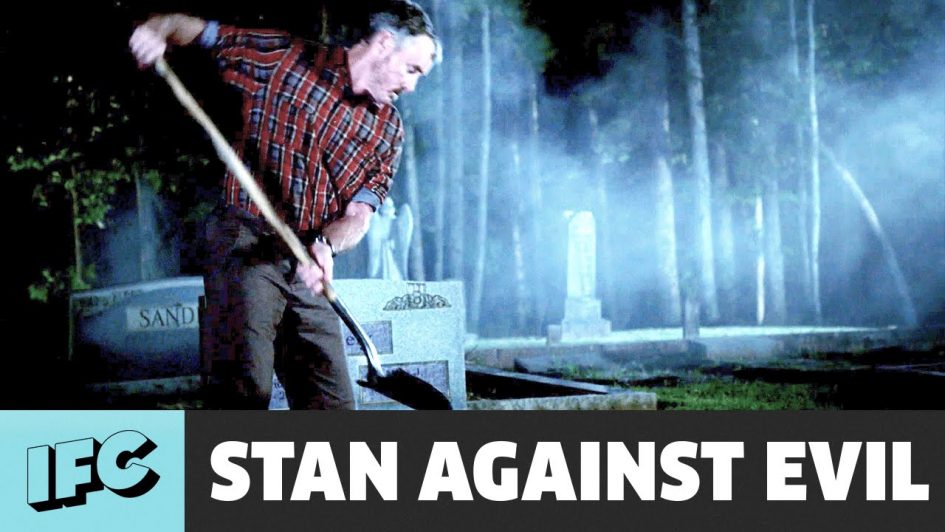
x=138, y=338
x=145, y=337
x=418, y=327
x=582, y=310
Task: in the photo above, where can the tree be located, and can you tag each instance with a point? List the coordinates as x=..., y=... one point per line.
x=801, y=177
x=659, y=153
x=759, y=234
x=416, y=266
x=722, y=197
x=599, y=179
x=457, y=187
x=774, y=253
x=73, y=169
x=440, y=173
x=518, y=243
x=482, y=213
x=700, y=160
x=88, y=191
x=814, y=124
x=535, y=204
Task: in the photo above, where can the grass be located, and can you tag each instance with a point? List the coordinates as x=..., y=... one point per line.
x=701, y=390
x=719, y=394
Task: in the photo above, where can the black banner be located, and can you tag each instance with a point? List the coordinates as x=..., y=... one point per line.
x=564, y=470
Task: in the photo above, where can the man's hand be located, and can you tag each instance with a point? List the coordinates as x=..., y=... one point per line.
x=344, y=233
x=149, y=40
x=147, y=45
x=322, y=270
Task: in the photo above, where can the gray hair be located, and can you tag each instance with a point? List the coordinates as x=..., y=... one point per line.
x=405, y=19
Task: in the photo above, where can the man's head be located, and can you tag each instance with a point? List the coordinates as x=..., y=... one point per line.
x=401, y=48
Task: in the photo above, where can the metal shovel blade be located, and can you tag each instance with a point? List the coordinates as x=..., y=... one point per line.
x=408, y=389
x=397, y=384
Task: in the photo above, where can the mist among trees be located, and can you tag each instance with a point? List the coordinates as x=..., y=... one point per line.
x=775, y=161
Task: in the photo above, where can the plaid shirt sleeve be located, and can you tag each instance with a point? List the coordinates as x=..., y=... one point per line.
x=246, y=58
x=389, y=151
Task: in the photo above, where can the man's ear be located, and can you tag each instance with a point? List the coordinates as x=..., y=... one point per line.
x=385, y=41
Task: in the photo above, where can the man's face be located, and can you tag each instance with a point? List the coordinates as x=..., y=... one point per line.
x=398, y=68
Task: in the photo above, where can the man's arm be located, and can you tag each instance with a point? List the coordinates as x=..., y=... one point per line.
x=149, y=40
x=344, y=233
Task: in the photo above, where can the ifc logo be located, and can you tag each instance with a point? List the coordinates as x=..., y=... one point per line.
x=64, y=475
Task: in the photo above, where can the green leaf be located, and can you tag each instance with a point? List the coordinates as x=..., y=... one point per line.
x=39, y=293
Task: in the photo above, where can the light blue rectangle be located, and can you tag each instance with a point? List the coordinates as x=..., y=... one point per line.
x=160, y=509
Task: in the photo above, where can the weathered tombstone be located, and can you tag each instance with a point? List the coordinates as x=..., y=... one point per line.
x=418, y=327
x=145, y=337
x=138, y=338
x=582, y=310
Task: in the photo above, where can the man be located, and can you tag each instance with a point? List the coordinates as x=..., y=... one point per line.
x=322, y=137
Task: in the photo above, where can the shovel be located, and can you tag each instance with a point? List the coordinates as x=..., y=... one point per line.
x=398, y=385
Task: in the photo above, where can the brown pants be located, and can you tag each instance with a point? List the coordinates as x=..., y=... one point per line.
x=260, y=318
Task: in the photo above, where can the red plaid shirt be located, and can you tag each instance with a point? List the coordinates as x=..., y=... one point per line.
x=311, y=143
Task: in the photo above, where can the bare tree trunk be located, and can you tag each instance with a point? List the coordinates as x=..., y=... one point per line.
x=794, y=53
x=518, y=252
x=457, y=180
x=700, y=159
x=139, y=208
x=439, y=134
x=79, y=280
x=667, y=277
x=535, y=200
x=803, y=196
x=774, y=254
x=724, y=232
x=889, y=253
x=417, y=271
x=482, y=214
x=668, y=269
x=147, y=234
x=605, y=266
x=814, y=162
x=759, y=260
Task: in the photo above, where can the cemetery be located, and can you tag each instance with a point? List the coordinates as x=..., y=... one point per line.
x=637, y=205
x=139, y=345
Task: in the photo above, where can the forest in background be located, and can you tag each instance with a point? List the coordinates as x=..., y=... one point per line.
x=778, y=161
